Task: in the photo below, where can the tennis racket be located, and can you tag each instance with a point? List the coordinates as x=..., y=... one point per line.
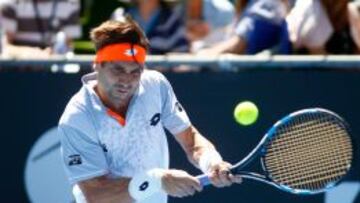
x=306, y=152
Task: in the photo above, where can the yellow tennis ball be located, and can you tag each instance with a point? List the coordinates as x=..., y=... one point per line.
x=246, y=113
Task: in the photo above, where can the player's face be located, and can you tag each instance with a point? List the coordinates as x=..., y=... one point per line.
x=119, y=80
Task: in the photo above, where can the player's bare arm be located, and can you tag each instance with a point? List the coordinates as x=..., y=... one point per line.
x=178, y=183
x=102, y=189
x=202, y=154
x=194, y=144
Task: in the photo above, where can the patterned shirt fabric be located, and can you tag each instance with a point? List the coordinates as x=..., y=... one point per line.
x=36, y=22
x=94, y=143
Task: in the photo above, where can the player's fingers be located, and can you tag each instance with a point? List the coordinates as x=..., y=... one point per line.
x=224, y=177
x=216, y=180
x=174, y=191
x=195, y=183
x=223, y=174
x=186, y=190
x=235, y=178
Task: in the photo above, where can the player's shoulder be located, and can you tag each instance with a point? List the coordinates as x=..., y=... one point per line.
x=78, y=116
x=75, y=110
x=153, y=76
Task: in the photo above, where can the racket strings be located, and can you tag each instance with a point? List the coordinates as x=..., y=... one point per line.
x=322, y=159
x=305, y=153
x=314, y=147
x=296, y=147
x=297, y=137
x=298, y=130
x=339, y=147
x=299, y=163
x=304, y=162
x=311, y=173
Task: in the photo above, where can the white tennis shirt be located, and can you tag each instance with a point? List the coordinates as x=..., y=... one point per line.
x=94, y=143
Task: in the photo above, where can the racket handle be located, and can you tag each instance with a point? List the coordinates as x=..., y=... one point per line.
x=204, y=180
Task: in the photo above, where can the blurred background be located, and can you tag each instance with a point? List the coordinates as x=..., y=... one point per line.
x=284, y=55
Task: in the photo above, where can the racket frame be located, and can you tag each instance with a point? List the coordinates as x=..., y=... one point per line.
x=260, y=151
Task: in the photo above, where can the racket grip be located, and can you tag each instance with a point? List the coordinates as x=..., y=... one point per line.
x=204, y=180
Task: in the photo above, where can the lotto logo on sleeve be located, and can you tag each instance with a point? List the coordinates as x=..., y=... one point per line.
x=155, y=119
x=75, y=159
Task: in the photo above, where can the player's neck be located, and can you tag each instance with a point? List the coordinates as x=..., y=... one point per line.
x=120, y=108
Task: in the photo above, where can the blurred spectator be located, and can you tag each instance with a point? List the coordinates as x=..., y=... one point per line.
x=39, y=28
x=163, y=25
x=208, y=21
x=1, y=33
x=261, y=26
x=324, y=26
x=354, y=20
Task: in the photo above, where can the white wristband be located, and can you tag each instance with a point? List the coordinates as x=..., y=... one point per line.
x=208, y=159
x=145, y=184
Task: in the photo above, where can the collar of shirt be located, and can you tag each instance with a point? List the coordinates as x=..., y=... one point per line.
x=89, y=82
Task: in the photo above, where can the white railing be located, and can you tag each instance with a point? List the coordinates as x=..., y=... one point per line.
x=221, y=62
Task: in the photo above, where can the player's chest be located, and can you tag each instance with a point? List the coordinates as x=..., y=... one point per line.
x=142, y=124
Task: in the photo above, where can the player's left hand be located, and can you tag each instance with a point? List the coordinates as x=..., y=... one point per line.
x=220, y=175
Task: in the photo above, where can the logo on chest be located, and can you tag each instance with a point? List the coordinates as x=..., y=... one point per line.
x=155, y=119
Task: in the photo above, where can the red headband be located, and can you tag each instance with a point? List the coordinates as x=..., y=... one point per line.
x=121, y=52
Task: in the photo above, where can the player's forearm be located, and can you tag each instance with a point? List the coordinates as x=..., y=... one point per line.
x=105, y=190
x=201, y=147
x=195, y=145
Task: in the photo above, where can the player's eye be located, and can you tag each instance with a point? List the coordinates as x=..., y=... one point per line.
x=117, y=70
x=136, y=71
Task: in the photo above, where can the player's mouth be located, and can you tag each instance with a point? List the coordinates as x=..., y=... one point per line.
x=122, y=89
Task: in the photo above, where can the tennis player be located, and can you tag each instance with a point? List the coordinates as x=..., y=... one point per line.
x=114, y=147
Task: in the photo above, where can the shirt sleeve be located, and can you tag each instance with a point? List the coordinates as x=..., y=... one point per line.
x=82, y=156
x=175, y=118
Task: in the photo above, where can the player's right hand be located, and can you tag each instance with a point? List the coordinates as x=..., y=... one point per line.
x=178, y=183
